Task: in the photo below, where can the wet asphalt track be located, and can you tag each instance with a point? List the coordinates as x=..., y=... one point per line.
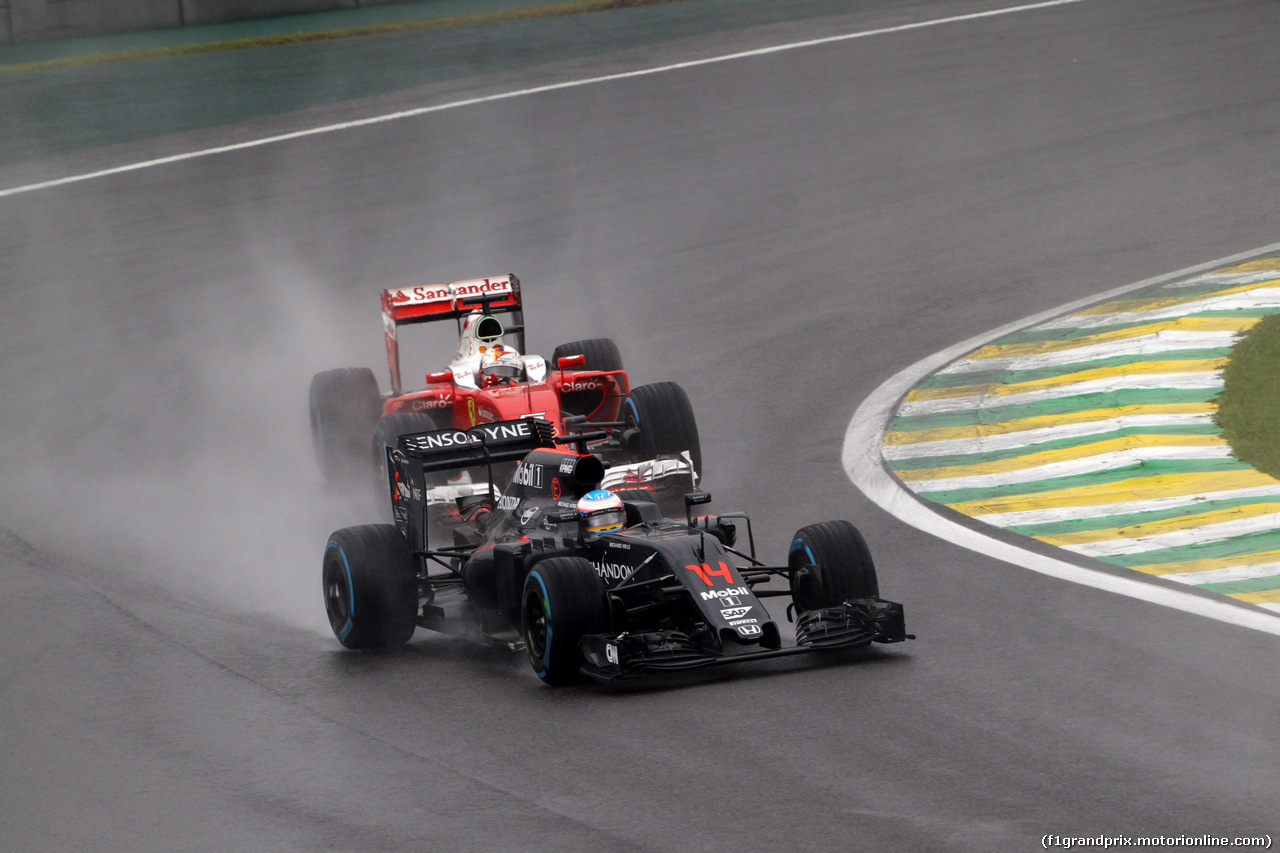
x=778, y=234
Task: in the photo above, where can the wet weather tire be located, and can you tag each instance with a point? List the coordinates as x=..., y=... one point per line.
x=829, y=564
x=370, y=587
x=386, y=434
x=345, y=405
x=662, y=414
x=563, y=601
x=601, y=354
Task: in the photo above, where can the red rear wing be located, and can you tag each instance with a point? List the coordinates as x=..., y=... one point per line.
x=429, y=302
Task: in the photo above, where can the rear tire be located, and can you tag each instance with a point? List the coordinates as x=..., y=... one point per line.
x=563, y=601
x=370, y=587
x=345, y=404
x=664, y=417
x=829, y=564
x=601, y=354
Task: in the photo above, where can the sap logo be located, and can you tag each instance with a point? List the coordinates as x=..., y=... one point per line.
x=749, y=630
x=567, y=465
x=736, y=591
x=528, y=474
x=580, y=386
x=614, y=571
x=735, y=612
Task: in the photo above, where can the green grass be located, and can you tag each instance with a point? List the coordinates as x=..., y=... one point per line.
x=1249, y=406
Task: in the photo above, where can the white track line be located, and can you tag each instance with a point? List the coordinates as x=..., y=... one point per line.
x=519, y=93
x=864, y=464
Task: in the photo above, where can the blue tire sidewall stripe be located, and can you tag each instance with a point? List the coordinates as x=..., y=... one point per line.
x=799, y=544
x=546, y=606
x=351, y=593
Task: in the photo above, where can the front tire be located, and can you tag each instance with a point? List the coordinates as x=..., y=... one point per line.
x=563, y=601
x=370, y=587
x=600, y=353
x=829, y=564
x=663, y=417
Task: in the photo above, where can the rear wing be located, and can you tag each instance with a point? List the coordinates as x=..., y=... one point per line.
x=484, y=444
x=417, y=454
x=451, y=301
x=424, y=303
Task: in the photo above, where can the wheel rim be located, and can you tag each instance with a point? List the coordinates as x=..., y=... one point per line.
x=536, y=631
x=336, y=600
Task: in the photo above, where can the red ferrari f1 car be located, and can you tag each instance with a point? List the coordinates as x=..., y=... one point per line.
x=650, y=434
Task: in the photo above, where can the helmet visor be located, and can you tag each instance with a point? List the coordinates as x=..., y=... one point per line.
x=605, y=521
x=502, y=370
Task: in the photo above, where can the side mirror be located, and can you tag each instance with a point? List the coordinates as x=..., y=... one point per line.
x=691, y=500
x=442, y=376
x=566, y=361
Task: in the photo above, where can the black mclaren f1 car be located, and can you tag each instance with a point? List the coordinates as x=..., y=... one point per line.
x=651, y=593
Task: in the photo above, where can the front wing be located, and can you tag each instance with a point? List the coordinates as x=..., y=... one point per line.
x=858, y=622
